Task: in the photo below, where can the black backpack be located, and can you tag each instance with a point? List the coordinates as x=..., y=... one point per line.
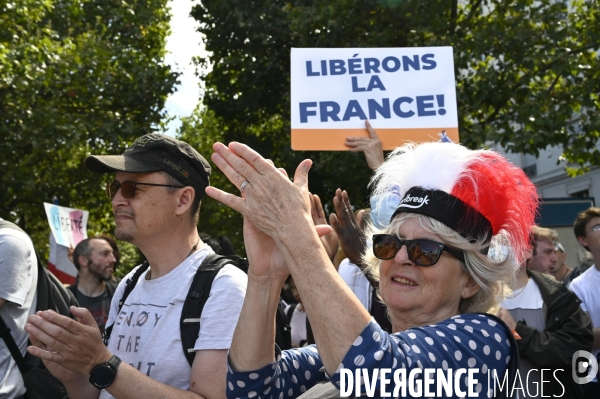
x=196, y=299
x=51, y=294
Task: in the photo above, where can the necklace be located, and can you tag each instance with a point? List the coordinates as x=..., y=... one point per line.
x=149, y=274
x=518, y=291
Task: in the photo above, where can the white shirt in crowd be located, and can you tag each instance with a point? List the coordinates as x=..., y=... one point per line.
x=146, y=332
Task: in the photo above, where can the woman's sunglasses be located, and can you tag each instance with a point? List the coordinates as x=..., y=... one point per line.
x=422, y=252
x=128, y=188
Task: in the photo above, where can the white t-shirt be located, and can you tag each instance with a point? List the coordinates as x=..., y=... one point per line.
x=587, y=288
x=357, y=282
x=298, y=325
x=18, y=282
x=146, y=333
x=527, y=304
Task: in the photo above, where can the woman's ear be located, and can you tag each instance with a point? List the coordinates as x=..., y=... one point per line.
x=470, y=288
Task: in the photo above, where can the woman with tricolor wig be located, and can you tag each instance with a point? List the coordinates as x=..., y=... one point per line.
x=439, y=285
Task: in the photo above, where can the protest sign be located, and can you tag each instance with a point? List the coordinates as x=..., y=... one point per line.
x=68, y=225
x=407, y=94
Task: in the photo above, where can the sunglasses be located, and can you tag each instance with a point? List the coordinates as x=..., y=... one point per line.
x=128, y=188
x=422, y=252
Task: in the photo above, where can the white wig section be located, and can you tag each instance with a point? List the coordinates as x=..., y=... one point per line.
x=428, y=165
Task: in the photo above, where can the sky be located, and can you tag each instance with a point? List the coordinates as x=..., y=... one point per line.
x=183, y=44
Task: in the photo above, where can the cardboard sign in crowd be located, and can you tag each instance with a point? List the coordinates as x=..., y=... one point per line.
x=407, y=94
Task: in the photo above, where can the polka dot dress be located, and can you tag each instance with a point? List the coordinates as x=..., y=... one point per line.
x=461, y=342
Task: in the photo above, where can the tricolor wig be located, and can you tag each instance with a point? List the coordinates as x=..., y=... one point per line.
x=479, y=194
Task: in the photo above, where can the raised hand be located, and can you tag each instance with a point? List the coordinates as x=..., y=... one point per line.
x=371, y=146
x=329, y=241
x=350, y=235
x=269, y=202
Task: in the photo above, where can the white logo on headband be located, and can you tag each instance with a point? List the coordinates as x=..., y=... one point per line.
x=419, y=200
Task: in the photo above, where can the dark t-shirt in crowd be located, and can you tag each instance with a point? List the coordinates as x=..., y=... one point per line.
x=98, y=306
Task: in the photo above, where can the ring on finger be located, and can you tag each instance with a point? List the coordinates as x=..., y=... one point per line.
x=243, y=186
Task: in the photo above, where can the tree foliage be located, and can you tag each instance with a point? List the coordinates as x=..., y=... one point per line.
x=527, y=71
x=76, y=77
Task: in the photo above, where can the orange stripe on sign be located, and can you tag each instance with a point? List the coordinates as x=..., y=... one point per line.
x=333, y=139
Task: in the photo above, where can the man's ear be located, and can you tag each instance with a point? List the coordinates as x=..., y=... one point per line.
x=185, y=200
x=83, y=261
x=470, y=288
x=529, y=253
x=582, y=240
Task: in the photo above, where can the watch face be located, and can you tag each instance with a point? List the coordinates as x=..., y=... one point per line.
x=102, y=376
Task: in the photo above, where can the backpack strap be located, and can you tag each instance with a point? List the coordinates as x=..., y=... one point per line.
x=12, y=347
x=189, y=323
x=130, y=285
x=111, y=287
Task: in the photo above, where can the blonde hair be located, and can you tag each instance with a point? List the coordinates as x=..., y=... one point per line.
x=492, y=277
x=541, y=233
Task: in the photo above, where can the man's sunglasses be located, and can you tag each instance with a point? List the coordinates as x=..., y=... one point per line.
x=128, y=188
x=422, y=252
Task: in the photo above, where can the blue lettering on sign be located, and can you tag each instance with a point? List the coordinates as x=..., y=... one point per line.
x=354, y=66
x=55, y=217
x=425, y=106
x=305, y=112
x=427, y=59
x=336, y=67
x=382, y=109
x=403, y=107
x=329, y=109
x=370, y=65
x=309, y=71
x=398, y=111
x=374, y=83
x=354, y=110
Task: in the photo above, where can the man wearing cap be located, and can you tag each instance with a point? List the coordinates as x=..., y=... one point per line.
x=155, y=195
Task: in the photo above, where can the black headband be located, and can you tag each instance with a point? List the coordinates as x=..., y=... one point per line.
x=448, y=209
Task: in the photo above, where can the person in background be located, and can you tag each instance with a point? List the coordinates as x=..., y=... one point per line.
x=95, y=261
x=18, y=282
x=350, y=229
x=543, y=258
x=560, y=270
x=296, y=316
x=550, y=324
x=587, y=285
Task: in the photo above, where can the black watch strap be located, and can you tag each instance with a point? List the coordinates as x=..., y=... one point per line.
x=114, y=361
x=103, y=374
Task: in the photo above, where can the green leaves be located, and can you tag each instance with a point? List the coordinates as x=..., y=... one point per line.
x=527, y=72
x=76, y=77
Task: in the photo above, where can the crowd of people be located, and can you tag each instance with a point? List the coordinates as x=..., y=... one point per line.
x=446, y=271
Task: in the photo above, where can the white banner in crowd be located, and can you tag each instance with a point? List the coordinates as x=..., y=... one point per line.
x=68, y=227
x=407, y=94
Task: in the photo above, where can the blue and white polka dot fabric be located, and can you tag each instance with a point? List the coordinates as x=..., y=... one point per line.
x=461, y=342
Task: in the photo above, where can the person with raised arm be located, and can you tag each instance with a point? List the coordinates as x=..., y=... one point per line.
x=440, y=287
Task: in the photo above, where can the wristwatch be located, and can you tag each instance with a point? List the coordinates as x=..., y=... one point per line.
x=103, y=374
